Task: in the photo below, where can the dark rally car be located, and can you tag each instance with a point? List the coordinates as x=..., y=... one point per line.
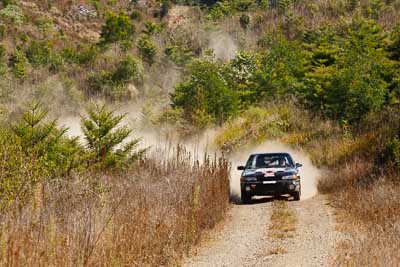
x=270, y=174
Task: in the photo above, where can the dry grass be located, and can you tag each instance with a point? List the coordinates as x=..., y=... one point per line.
x=283, y=221
x=148, y=217
x=367, y=205
x=277, y=250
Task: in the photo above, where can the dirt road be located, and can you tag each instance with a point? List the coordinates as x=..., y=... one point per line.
x=244, y=240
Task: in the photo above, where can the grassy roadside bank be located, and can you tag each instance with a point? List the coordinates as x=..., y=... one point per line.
x=63, y=203
x=360, y=172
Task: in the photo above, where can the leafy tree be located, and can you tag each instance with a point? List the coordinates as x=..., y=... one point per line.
x=280, y=71
x=205, y=96
x=108, y=143
x=354, y=82
x=239, y=75
x=118, y=27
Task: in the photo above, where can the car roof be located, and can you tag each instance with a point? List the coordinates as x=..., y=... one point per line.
x=272, y=154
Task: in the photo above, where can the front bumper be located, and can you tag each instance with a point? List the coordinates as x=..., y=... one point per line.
x=265, y=188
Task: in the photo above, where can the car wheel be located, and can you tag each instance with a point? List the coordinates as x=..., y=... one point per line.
x=296, y=196
x=245, y=198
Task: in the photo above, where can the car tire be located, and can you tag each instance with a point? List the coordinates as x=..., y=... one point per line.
x=296, y=196
x=246, y=199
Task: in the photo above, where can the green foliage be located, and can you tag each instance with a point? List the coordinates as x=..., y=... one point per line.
x=280, y=70
x=113, y=83
x=147, y=49
x=165, y=6
x=392, y=153
x=136, y=15
x=19, y=172
x=43, y=139
x=244, y=21
x=128, y=70
x=205, y=97
x=39, y=53
x=81, y=55
x=118, y=27
x=357, y=81
x=178, y=55
x=107, y=141
x=219, y=10
x=13, y=14
x=19, y=64
x=151, y=28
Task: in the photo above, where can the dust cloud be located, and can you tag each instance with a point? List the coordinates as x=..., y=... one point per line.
x=163, y=141
x=309, y=173
x=223, y=46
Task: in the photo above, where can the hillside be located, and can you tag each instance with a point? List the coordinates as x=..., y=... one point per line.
x=322, y=77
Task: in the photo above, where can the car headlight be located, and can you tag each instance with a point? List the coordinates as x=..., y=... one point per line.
x=288, y=177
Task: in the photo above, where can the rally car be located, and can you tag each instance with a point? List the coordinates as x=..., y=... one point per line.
x=267, y=174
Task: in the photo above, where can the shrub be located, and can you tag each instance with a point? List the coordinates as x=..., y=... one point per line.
x=19, y=64
x=82, y=55
x=178, y=55
x=136, y=15
x=128, y=70
x=165, y=6
x=39, y=53
x=112, y=83
x=117, y=28
x=151, y=28
x=244, y=21
x=147, y=49
x=13, y=14
x=20, y=172
x=43, y=139
x=107, y=141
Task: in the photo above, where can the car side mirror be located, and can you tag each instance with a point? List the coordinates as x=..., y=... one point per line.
x=240, y=168
x=298, y=165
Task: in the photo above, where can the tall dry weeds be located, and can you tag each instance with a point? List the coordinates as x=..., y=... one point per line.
x=146, y=217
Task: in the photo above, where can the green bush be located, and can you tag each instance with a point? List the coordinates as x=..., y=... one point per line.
x=48, y=143
x=136, y=15
x=81, y=55
x=128, y=70
x=205, y=96
x=151, y=28
x=244, y=21
x=19, y=172
x=118, y=27
x=165, y=6
x=13, y=14
x=147, y=49
x=113, y=83
x=107, y=142
x=39, y=53
x=19, y=64
x=178, y=55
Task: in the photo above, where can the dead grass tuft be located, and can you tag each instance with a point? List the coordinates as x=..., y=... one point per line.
x=283, y=221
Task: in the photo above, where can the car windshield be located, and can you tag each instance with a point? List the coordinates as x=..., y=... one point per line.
x=270, y=161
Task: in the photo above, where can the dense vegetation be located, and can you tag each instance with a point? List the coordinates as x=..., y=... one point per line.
x=320, y=75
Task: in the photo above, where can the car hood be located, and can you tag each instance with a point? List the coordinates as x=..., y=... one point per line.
x=272, y=171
